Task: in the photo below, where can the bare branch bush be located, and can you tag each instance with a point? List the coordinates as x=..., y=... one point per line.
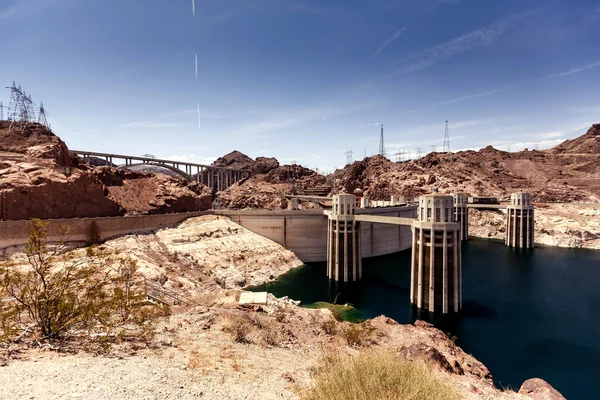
x=56, y=297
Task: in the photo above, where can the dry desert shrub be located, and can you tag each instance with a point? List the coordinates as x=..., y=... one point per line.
x=376, y=375
x=270, y=335
x=239, y=326
x=329, y=326
x=357, y=335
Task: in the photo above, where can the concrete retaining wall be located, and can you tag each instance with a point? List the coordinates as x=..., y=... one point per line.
x=14, y=234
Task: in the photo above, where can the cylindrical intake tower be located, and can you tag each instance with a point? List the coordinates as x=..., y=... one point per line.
x=461, y=215
x=436, y=272
x=519, y=221
x=344, y=262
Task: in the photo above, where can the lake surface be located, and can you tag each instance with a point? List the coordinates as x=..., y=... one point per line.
x=526, y=313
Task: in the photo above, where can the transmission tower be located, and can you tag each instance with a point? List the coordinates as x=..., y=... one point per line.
x=349, y=156
x=433, y=148
x=408, y=155
x=2, y=107
x=398, y=156
x=20, y=106
x=419, y=152
x=446, y=140
x=381, y=144
x=42, y=116
x=293, y=162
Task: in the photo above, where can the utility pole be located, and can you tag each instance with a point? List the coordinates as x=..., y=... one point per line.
x=446, y=140
x=2, y=107
x=381, y=144
x=349, y=156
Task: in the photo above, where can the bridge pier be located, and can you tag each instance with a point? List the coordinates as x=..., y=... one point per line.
x=436, y=265
x=519, y=221
x=344, y=262
x=461, y=215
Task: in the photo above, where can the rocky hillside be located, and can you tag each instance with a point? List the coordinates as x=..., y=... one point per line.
x=569, y=172
x=268, y=185
x=40, y=178
x=586, y=144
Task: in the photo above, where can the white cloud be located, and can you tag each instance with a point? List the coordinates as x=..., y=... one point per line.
x=373, y=124
x=390, y=40
x=592, y=109
x=576, y=70
x=147, y=124
x=192, y=158
x=461, y=44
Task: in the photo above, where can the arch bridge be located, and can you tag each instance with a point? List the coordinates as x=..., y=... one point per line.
x=217, y=178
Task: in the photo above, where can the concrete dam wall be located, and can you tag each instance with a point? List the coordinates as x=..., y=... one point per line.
x=303, y=232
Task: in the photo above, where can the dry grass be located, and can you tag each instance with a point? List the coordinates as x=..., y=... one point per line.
x=376, y=375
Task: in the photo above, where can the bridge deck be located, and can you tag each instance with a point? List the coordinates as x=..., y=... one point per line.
x=148, y=160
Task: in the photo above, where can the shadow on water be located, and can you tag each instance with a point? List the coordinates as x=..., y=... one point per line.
x=526, y=313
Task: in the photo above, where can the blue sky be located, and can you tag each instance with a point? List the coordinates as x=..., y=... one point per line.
x=305, y=80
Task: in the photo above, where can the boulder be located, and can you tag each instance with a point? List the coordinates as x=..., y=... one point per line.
x=539, y=389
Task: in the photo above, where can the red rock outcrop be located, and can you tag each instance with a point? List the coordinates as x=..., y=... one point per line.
x=539, y=389
x=235, y=159
x=586, y=144
x=40, y=178
x=268, y=190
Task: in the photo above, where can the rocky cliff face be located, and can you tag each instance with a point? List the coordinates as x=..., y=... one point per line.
x=39, y=178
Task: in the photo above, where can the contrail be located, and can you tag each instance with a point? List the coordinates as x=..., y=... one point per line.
x=194, y=8
x=196, y=61
x=198, y=108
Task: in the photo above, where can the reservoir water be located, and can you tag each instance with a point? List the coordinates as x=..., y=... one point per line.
x=526, y=313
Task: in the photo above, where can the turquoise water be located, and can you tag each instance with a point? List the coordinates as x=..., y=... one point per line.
x=526, y=313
